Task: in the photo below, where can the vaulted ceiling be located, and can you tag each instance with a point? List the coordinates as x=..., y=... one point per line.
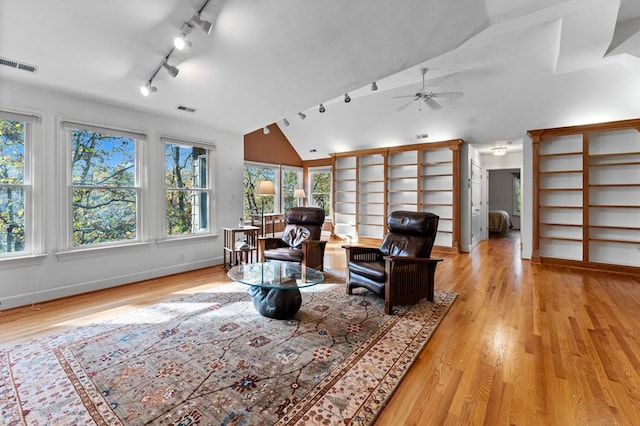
x=521, y=64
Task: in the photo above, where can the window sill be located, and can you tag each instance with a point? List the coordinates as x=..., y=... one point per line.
x=188, y=239
x=22, y=260
x=98, y=251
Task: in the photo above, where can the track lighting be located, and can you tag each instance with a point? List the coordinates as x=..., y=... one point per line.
x=321, y=109
x=173, y=71
x=181, y=42
x=205, y=25
x=148, y=89
x=302, y=115
x=285, y=122
x=347, y=98
x=266, y=130
x=374, y=86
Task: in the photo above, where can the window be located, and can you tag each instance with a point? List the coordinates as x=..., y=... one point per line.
x=253, y=204
x=291, y=180
x=187, y=187
x=319, y=194
x=15, y=203
x=105, y=189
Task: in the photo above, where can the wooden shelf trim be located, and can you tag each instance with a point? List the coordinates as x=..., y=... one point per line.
x=606, y=240
x=434, y=163
x=624, y=228
x=560, y=207
x=614, y=185
x=560, y=154
x=614, y=154
x=437, y=175
x=576, y=240
x=604, y=206
x=629, y=163
x=559, y=189
x=560, y=172
x=401, y=177
x=575, y=225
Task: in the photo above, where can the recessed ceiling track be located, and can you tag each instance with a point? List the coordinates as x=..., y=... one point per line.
x=12, y=63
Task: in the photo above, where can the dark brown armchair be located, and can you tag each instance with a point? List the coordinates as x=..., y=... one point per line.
x=300, y=240
x=401, y=269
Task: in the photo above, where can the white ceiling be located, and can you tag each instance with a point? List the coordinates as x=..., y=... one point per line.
x=522, y=64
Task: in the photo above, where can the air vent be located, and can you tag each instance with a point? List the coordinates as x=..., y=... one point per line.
x=185, y=108
x=18, y=65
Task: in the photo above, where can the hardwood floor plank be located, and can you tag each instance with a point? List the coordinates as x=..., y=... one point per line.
x=523, y=344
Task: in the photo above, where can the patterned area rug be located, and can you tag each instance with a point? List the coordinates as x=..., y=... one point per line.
x=210, y=358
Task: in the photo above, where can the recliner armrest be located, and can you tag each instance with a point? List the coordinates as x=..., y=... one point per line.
x=406, y=259
x=362, y=253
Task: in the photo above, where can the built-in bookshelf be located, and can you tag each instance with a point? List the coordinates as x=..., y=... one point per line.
x=586, y=193
x=421, y=177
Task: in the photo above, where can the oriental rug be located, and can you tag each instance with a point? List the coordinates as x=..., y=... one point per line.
x=210, y=359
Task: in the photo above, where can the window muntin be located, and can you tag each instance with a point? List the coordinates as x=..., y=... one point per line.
x=319, y=194
x=187, y=188
x=104, y=184
x=13, y=187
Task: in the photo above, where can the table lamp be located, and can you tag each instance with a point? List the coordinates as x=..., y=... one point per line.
x=300, y=195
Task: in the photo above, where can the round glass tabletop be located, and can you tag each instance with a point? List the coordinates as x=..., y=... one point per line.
x=278, y=275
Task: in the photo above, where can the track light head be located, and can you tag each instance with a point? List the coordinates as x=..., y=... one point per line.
x=266, y=130
x=173, y=71
x=321, y=109
x=148, y=89
x=302, y=115
x=285, y=122
x=374, y=86
x=181, y=42
x=347, y=98
x=205, y=25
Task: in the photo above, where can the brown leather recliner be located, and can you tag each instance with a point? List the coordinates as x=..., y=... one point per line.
x=300, y=240
x=401, y=269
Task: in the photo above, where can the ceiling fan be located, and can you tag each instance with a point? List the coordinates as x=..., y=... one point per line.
x=427, y=97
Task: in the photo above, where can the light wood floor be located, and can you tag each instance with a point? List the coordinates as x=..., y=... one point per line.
x=523, y=344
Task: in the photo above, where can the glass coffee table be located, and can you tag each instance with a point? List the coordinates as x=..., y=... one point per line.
x=275, y=286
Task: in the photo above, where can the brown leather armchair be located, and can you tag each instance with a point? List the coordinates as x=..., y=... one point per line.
x=300, y=240
x=401, y=269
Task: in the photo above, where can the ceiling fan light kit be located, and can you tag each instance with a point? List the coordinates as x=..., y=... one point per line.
x=427, y=97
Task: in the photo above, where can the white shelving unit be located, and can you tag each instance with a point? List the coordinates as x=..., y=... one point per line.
x=587, y=195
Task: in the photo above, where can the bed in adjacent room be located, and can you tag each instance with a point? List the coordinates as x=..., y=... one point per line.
x=500, y=222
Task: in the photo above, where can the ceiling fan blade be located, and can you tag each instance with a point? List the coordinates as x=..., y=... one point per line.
x=447, y=94
x=400, y=97
x=433, y=104
x=405, y=105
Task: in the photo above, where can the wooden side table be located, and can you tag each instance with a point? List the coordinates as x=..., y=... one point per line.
x=240, y=245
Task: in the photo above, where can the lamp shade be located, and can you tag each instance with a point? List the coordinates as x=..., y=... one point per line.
x=266, y=187
x=299, y=193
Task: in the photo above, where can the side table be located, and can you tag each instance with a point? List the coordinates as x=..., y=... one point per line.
x=240, y=245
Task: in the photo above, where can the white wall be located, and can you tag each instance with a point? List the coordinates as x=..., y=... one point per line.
x=52, y=276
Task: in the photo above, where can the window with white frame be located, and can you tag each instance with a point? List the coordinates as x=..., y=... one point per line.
x=253, y=203
x=319, y=193
x=16, y=203
x=105, y=185
x=187, y=187
x=291, y=180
